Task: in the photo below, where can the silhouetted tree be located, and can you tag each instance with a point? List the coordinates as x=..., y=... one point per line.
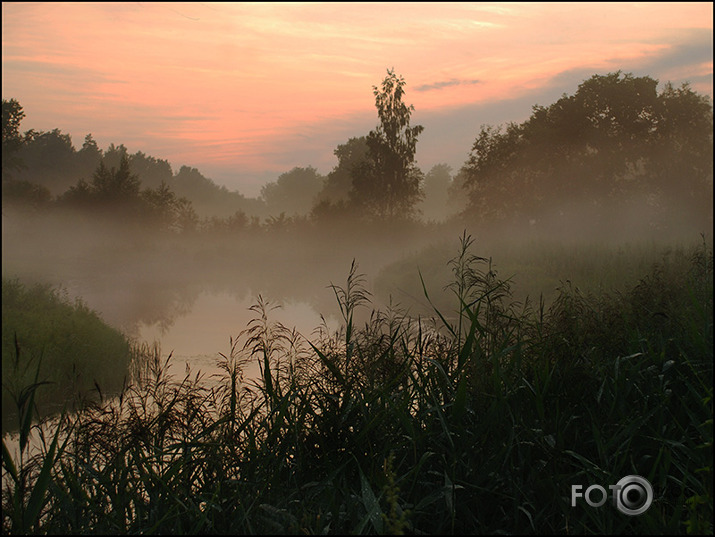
x=615, y=141
x=51, y=160
x=114, y=154
x=151, y=171
x=110, y=191
x=236, y=223
x=79, y=196
x=12, y=116
x=25, y=193
x=327, y=213
x=117, y=192
x=118, y=185
x=338, y=183
x=294, y=192
x=437, y=181
x=457, y=201
x=90, y=154
x=387, y=183
x=680, y=161
x=210, y=199
x=165, y=210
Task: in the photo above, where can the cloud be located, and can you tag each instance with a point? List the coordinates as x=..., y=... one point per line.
x=691, y=47
x=688, y=59
x=446, y=84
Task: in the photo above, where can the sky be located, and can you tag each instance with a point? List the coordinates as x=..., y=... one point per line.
x=247, y=91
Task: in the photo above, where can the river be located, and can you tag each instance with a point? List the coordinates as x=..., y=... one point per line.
x=197, y=337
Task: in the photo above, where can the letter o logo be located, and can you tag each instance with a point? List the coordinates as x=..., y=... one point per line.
x=587, y=495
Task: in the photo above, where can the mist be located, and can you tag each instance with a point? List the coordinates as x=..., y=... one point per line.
x=145, y=282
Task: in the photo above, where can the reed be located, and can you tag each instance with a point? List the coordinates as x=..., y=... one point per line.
x=472, y=421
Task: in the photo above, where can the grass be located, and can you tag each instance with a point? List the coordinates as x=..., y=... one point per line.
x=477, y=422
x=536, y=267
x=64, y=342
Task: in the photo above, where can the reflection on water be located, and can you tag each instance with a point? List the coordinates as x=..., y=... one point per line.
x=198, y=336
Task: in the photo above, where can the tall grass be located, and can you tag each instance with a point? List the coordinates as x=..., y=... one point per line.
x=476, y=421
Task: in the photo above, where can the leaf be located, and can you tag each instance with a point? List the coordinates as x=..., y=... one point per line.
x=37, y=497
x=9, y=463
x=329, y=364
x=371, y=504
x=460, y=399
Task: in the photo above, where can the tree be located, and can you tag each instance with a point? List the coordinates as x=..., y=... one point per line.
x=339, y=181
x=490, y=174
x=90, y=146
x=436, y=191
x=51, y=160
x=294, y=192
x=387, y=184
x=117, y=186
x=615, y=145
x=152, y=171
x=90, y=154
x=12, y=116
x=165, y=210
x=117, y=192
x=210, y=199
x=683, y=142
x=114, y=153
x=25, y=193
x=114, y=190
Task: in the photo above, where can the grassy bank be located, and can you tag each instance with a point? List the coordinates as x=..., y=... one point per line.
x=62, y=343
x=476, y=424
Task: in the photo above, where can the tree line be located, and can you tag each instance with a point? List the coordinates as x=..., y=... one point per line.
x=616, y=144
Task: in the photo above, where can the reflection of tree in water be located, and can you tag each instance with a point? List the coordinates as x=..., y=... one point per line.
x=153, y=304
x=157, y=286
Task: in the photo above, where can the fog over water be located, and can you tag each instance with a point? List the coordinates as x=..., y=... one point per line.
x=191, y=294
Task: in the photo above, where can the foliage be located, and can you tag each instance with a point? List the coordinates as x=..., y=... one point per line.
x=118, y=192
x=52, y=161
x=615, y=145
x=22, y=192
x=12, y=116
x=38, y=163
x=77, y=350
x=165, y=210
x=387, y=183
x=338, y=183
x=437, y=184
x=210, y=199
x=293, y=192
x=326, y=213
x=616, y=154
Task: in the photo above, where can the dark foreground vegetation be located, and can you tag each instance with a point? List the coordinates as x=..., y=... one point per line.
x=474, y=421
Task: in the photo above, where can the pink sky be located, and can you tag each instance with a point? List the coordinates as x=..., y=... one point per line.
x=245, y=92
